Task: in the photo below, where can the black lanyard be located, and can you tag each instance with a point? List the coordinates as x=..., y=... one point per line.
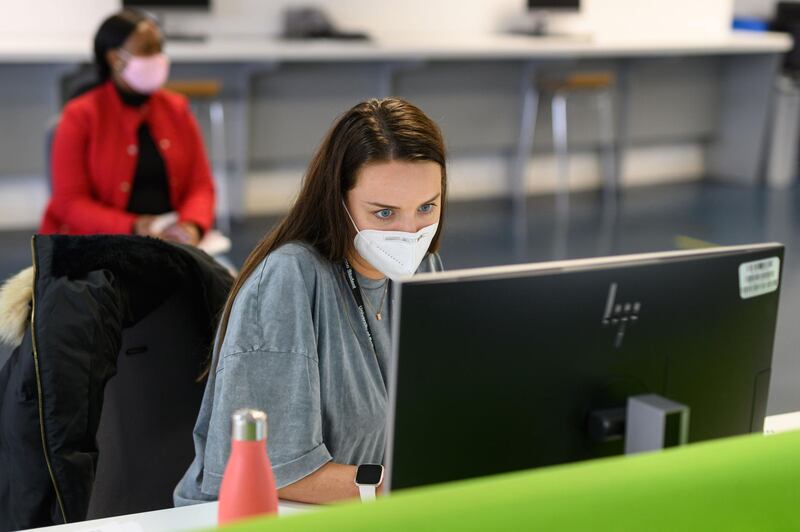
x=352, y=282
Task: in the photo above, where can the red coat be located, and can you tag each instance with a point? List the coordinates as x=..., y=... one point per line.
x=94, y=161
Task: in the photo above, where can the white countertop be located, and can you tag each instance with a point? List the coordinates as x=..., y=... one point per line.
x=409, y=47
x=184, y=518
x=782, y=423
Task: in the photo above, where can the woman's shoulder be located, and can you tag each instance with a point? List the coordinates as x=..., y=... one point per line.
x=292, y=264
x=85, y=103
x=298, y=253
x=297, y=256
x=170, y=99
x=275, y=302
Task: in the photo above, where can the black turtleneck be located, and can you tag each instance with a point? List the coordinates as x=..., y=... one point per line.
x=150, y=189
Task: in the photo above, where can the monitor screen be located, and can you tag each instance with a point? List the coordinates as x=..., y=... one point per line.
x=503, y=369
x=554, y=4
x=168, y=4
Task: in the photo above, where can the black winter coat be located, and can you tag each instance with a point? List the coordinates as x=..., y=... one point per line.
x=88, y=294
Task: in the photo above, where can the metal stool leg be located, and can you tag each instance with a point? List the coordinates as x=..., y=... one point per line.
x=559, y=125
x=219, y=159
x=605, y=105
x=527, y=127
x=559, y=110
x=609, y=171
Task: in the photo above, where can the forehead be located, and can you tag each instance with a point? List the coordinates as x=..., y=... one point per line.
x=146, y=36
x=398, y=182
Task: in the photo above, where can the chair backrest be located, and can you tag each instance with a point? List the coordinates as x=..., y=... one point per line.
x=150, y=407
x=49, y=136
x=82, y=79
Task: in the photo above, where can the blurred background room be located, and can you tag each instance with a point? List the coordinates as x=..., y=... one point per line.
x=575, y=128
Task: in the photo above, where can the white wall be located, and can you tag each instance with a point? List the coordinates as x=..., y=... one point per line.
x=658, y=19
x=616, y=18
x=56, y=18
x=263, y=17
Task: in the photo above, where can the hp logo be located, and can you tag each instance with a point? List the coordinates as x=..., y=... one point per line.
x=619, y=315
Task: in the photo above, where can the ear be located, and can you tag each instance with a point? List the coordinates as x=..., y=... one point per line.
x=114, y=60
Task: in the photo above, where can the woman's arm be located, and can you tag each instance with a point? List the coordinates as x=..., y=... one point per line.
x=273, y=308
x=73, y=199
x=330, y=483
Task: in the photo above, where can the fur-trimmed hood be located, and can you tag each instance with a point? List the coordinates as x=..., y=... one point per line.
x=15, y=307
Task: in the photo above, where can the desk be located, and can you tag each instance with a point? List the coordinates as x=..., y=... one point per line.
x=407, y=47
x=748, y=65
x=183, y=518
x=782, y=423
x=205, y=515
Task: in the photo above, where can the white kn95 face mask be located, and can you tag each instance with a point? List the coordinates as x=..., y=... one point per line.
x=395, y=254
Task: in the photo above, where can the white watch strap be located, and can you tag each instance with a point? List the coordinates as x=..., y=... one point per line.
x=367, y=493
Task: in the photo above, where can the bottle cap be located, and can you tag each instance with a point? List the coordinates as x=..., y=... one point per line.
x=249, y=425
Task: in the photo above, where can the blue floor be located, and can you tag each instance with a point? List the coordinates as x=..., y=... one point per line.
x=478, y=233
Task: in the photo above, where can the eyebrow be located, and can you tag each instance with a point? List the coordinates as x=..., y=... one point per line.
x=384, y=206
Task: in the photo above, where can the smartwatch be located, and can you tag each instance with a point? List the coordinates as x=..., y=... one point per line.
x=368, y=478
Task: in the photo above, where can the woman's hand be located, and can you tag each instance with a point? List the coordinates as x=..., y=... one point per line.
x=182, y=232
x=143, y=225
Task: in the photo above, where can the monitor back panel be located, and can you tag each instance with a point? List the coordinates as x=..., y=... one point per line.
x=500, y=374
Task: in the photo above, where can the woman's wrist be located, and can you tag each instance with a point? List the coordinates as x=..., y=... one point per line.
x=330, y=483
x=142, y=225
x=183, y=232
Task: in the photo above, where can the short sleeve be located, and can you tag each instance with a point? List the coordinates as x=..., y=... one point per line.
x=269, y=361
x=286, y=387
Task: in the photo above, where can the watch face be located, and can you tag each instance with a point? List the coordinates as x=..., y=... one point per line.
x=369, y=474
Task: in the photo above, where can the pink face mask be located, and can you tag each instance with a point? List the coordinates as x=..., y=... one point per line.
x=146, y=74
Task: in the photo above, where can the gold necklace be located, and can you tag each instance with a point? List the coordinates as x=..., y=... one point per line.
x=379, y=312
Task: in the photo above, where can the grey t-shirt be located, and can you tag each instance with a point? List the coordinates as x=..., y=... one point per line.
x=296, y=348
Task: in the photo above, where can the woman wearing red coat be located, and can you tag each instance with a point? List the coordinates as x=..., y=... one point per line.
x=127, y=151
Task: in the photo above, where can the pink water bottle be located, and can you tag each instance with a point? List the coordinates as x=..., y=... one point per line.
x=248, y=486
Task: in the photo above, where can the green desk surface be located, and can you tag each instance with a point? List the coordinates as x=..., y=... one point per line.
x=744, y=483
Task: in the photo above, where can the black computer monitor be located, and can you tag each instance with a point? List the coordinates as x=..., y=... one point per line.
x=503, y=369
x=539, y=23
x=168, y=4
x=168, y=10
x=551, y=5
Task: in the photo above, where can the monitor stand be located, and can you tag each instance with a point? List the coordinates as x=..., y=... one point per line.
x=539, y=26
x=649, y=423
x=654, y=422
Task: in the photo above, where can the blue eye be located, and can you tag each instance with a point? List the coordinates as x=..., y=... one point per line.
x=384, y=213
x=427, y=208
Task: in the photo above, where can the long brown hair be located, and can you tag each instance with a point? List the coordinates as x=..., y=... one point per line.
x=372, y=131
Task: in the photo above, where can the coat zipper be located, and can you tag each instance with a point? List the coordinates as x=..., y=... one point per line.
x=39, y=380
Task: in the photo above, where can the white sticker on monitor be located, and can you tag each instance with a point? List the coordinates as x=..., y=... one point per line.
x=759, y=277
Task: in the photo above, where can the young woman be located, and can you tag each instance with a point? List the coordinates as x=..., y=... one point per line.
x=128, y=150
x=295, y=338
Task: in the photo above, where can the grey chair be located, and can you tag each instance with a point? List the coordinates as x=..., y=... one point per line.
x=49, y=136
